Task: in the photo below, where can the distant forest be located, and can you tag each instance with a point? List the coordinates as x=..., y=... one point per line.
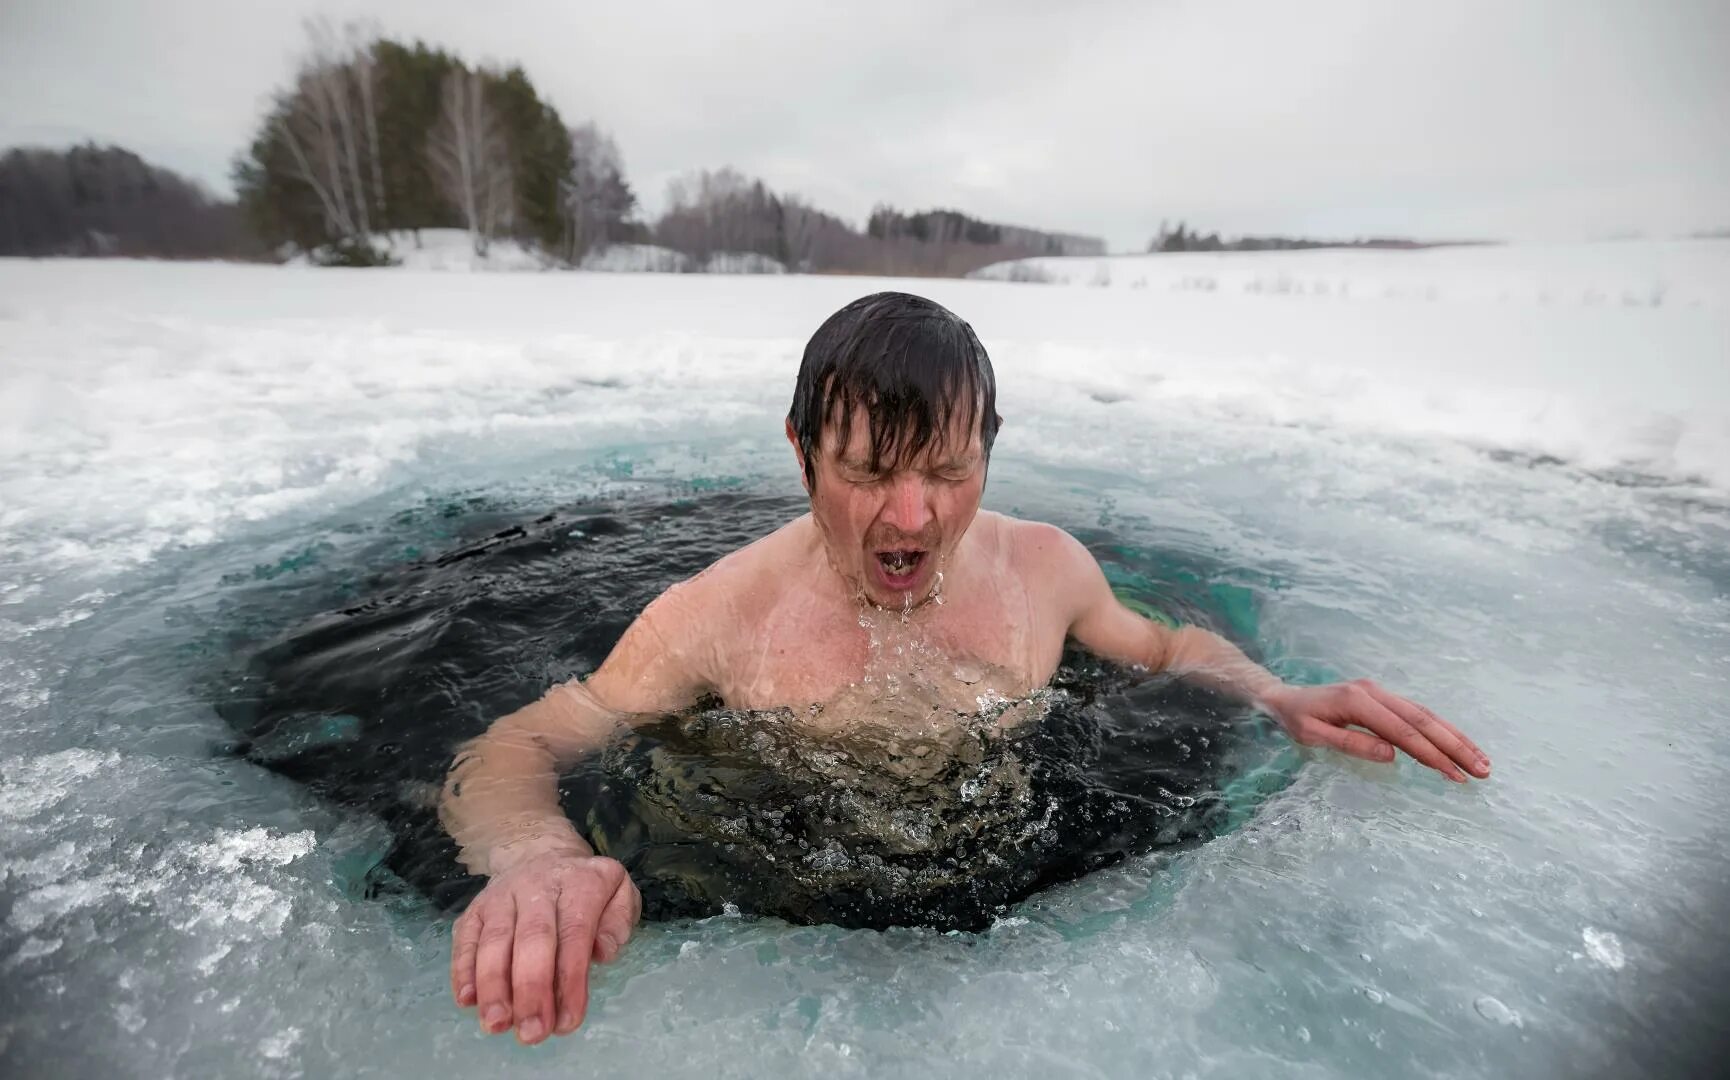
x=93, y=200
x=1182, y=239
x=374, y=140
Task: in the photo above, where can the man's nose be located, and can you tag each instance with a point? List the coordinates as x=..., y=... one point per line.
x=909, y=510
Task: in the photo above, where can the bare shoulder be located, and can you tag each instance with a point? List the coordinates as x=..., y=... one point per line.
x=1041, y=549
x=740, y=582
x=678, y=646
x=1054, y=566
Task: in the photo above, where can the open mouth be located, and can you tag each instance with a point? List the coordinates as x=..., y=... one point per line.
x=900, y=567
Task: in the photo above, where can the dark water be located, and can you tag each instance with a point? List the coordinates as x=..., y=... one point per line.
x=419, y=651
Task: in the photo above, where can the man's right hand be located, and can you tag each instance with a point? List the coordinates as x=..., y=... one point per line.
x=521, y=951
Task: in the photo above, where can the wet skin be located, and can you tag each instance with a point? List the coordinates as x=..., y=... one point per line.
x=894, y=579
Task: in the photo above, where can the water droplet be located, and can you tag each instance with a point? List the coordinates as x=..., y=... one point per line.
x=1497, y=1013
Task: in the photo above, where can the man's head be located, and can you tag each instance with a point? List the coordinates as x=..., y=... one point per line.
x=893, y=419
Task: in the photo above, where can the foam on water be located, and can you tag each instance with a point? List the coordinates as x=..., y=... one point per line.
x=1515, y=512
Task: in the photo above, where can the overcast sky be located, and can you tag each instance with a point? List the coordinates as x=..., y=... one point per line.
x=1436, y=118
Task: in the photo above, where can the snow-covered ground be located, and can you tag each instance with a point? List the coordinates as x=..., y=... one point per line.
x=446, y=250
x=1681, y=273
x=636, y=259
x=1460, y=473
x=453, y=250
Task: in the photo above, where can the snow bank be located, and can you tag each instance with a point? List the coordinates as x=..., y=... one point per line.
x=651, y=258
x=445, y=250
x=636, y=259
x=454, y=250
x=742, y=262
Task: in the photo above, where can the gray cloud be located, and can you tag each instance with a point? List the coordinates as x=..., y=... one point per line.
x=1544, y=119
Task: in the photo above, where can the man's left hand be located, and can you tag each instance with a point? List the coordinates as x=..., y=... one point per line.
x=1329, y=715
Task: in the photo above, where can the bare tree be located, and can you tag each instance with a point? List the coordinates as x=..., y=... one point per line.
x=596, y=198
x=318, y=124
x=362, y=37
x=723, y=211
x=470, y=158
x=332, y=74
x=802, y=227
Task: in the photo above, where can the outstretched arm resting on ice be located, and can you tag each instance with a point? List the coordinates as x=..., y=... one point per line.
x=1358, y=718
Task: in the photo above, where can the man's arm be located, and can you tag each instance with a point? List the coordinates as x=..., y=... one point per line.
x=501, y=802
x=1311, y=715
x=520, y=953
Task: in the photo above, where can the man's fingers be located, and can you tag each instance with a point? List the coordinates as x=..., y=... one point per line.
x=571, y=975
x=1359, y=744
x=1447, y=738
x=532, y=967
x=493, y=965
x=1364, y=709
x=465, y=941
x=578, y=904
x=617, y=921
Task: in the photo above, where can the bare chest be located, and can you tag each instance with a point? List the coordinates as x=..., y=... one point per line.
x=949, y=657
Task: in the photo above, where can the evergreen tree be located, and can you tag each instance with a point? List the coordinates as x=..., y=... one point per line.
x=344, y=153
x=540, y=155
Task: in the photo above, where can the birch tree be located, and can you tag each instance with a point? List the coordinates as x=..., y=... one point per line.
x=330, y=127
x=470, y=159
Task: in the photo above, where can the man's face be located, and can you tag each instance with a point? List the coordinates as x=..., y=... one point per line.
x=888, y=531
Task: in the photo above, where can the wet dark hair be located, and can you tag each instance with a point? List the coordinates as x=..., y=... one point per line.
x=913, y=365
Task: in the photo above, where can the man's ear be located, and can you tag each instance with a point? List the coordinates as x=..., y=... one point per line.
x=799, y=456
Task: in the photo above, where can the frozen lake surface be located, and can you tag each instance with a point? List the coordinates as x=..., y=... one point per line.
x=1499, y=484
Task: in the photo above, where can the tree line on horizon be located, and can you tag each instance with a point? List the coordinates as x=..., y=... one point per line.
x=94, y=200
x=1181, y=238
x=374, y=140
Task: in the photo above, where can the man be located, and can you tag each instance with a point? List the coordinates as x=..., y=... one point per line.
x=895, y=600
